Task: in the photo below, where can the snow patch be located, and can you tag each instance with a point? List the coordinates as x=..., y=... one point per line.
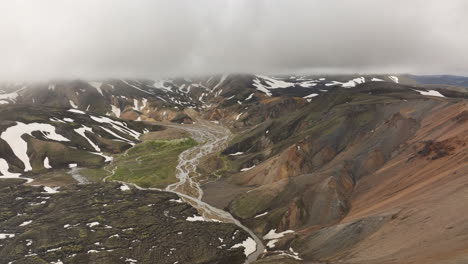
x=81, y=131
x=136, y=87
x=249, y=245
x=124, y=187
x=76, y=111
x=4, y=170
x=25, y=223
x=310, y=96
x=430, y=93
x=3, y=235
x=273, y=235
x=393, y=78
x=260, y=215
x=115, y=110
x=117, y=125
x=51, y=190
x=92, y=224
x=223, y=78
x=72, y=104
x=46, y=163
x=195, y=218
x=13, y=136
x=97, y=86
x=249, y=168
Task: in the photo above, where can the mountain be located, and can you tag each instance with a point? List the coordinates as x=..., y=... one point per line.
x=315, y=168
x=168, y=99
x=451, y=80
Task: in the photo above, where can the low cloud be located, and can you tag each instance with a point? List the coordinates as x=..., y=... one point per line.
x=148, y=38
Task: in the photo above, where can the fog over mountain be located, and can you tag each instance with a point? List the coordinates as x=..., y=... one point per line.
x=147, y=38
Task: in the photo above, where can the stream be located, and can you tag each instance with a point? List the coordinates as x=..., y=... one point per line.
x=211, y=138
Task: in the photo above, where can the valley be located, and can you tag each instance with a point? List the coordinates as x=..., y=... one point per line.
x=250, y=168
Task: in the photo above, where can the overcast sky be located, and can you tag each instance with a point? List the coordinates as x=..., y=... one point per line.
x=149, y=38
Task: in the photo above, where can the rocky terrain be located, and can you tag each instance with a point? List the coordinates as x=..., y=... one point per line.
x=109, y=223
x=323, y=169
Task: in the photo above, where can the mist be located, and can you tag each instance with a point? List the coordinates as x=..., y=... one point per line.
x=92, y=39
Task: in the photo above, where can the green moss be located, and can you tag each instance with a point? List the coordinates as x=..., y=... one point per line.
x=250, y=204
x=94, y=175
x=151, y=163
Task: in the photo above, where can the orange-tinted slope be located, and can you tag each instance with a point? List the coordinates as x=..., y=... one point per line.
x=414, y=209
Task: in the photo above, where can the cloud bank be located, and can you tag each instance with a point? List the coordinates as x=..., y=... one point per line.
x=150, y=38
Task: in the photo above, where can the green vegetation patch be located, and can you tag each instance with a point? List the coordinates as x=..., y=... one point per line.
x=151, y=163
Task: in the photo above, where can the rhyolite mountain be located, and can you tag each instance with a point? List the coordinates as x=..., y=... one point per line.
x=325, y=169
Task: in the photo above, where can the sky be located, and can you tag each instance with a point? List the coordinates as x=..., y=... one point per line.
x=93, y=39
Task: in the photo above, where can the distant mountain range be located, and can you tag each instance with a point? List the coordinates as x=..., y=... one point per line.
x=322, y=168
x=441, y=80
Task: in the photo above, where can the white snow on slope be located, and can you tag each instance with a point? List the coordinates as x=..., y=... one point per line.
x=76, y=111
x=310, y=95
x=118, y=136
x=308, y=84
x=377, y=80
x=12, y=136
x=3, y=236
x=25, y=223
x=120, y=126
x=51, y=190
x=249, y=97
x=10, y=97
x=349, y=84
x=249, y=245
x=271, y=83
x=4, y=170
x=97, y=86
x=430, y=93
x=46, y=163
x=144, y=102
x=273, y=237
x=106, y=158
x=136, y=87
x=195, y=218
x=249, y=168
x=115, y=110
x=81, y=131
x=223, y=78
x=92, y=224
x=72, y=104
x=393, y=78
x=260, y=215
x=124, y=187
x=276, y=83
x=161, y=84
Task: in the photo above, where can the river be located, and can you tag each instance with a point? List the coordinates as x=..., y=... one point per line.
x=211, y=138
